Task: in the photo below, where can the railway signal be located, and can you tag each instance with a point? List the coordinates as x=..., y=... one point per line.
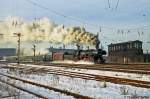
x=18, y=51
x=34, y=50
x=1, y=35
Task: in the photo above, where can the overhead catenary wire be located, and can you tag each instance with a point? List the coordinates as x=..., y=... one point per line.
x=52, y=11
x=80, y=20
x=117, y=4
x=76, y=19
x=68, y=17
x=114, y=7
x=108, y=3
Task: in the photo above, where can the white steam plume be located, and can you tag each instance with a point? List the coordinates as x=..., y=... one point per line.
x=43, y=30
x=32, y=31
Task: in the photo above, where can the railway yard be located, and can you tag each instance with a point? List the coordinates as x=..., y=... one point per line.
x=80, y=81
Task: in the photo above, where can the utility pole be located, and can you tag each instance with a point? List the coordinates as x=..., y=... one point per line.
x=18, y=51
x=34, y=50
x=1, y=36
x=97, y=41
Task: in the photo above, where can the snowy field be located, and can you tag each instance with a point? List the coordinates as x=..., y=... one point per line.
x=94, y=89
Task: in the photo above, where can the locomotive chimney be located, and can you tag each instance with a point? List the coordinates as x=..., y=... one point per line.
x=88, y=48
x=97, y=42
x=64, y=46
x=78, y=47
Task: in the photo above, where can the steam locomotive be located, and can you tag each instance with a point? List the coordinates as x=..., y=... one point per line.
x=93, y=55
x=96, y=57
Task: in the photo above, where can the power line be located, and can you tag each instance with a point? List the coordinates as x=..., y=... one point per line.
x=80, y=20
x=52, y=11
x=117, y=4
x=65, y=16
x=108, y=3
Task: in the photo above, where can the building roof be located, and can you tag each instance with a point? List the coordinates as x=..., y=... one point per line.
x=58, y=50
x=61, y=50
x=7, y=51
x=125, y=42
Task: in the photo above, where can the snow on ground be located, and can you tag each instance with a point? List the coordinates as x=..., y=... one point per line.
x=41, y=91
x=8, y=92
x=134, y=76
x=95, y=89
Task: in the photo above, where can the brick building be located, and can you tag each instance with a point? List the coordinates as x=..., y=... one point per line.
x=126, y=52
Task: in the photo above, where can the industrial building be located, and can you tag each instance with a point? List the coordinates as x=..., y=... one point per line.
x=127, y=52
x=5, y=52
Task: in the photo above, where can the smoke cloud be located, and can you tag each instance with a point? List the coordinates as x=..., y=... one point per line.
x=43, y=30
x=80, y=36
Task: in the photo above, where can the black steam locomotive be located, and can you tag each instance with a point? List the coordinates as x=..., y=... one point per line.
x=95, y=56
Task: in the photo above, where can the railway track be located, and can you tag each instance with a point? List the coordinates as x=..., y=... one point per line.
x=86, y=76
x=116, y=80
x=23, y=89
x=75, y=95
x=131, y=68
x=128, y=68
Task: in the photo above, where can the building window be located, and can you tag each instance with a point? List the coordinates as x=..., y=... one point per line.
x=140, y=46
x=134, y=44
x=110, y=48
x=116, y=47
x=121, y=47
x=128, y=46
x=137, y=45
